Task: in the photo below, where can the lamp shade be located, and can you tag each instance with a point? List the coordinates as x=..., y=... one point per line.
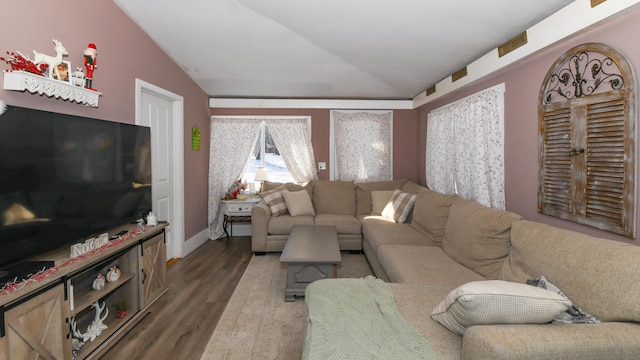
x=261, y=174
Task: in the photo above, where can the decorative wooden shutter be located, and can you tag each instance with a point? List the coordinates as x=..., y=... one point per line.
x=587, y=136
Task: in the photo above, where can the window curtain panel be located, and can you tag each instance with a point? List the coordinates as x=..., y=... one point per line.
x=232, y=141
x=292, y=137
x=465, y=148
x=362, y=145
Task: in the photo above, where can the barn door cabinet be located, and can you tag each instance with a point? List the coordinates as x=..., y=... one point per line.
x=40, y=322
x=38, y=327
x=153, y=269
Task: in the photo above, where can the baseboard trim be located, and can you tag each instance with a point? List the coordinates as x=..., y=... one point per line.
x=195, y=242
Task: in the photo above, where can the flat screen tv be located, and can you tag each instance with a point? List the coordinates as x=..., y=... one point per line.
x=64, y=179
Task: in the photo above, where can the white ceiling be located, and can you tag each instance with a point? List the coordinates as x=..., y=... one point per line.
x=330, y=49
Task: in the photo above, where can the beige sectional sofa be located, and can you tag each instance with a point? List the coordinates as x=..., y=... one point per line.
x=449, y=242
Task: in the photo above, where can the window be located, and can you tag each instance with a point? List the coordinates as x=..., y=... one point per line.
x=266, y=154
x=361, y=146
x=465, y=148
x=587, y=136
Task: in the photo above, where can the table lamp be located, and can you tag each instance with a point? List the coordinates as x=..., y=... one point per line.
x=261, y=175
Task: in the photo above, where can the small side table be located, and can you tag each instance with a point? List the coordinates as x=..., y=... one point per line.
x=237, y=211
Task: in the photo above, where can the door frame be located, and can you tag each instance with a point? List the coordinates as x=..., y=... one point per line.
x=176, y=225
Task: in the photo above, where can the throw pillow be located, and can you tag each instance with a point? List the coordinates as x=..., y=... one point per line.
x=275, y=201
x=399, y=207
x=298, y=203
x=380, y=199
x=498, y=302
x=573, y=315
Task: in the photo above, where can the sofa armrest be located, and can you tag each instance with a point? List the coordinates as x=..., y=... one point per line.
x=260, y=216
x=611, y=340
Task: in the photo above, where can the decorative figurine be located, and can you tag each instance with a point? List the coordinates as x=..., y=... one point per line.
x=90, y=62
x=152, y=219
x=51, y=61
x=77, y=77
x=114, y=274
x=95, y=328
x=121, y=309
x=99, y=282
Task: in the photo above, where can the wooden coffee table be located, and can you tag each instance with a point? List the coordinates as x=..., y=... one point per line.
x=311, y=253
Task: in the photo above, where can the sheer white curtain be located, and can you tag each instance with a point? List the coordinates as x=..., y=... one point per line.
x=362, y=145
x=292, y=137
x=465, y=148
x=232, y=141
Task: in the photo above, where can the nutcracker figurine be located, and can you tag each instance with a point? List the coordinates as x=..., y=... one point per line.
x=90, y=54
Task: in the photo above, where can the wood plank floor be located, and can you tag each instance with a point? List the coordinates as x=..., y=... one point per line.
x=182, y=320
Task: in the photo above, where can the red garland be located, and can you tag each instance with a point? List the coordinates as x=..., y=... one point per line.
x=17, y=61
x=41, y=275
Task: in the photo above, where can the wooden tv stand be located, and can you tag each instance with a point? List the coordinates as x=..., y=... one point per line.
x=36, y=319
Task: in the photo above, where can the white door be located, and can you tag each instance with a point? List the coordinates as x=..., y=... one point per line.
x=156, y=112
x=163, y=111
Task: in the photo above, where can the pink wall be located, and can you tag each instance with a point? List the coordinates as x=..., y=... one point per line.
x=522, y=82
x=404, y=136
x=125, y=53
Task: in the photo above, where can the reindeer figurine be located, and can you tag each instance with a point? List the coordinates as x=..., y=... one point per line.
x=95, y=328
x=51, y=61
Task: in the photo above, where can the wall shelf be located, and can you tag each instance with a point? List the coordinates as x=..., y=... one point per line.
x=22, y=80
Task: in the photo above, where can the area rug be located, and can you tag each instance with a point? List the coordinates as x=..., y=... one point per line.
x=257, y=323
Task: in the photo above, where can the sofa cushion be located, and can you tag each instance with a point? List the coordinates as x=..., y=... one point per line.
x=430, y=213
x=399, y=206
x=599, y=275
x=308, y=186
x=423, y=265
x=345, y=224
x=269, y=185
x=364, y=189
x=498, y=302
x=334, y=197
x=275, y=201
x=415, y=303
x=298, y=203
x=282, y=225
x=411, y=187
x=378, y=231
x=380, y=199
x=478, y=237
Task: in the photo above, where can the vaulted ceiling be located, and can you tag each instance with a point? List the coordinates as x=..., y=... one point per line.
x=330, y=49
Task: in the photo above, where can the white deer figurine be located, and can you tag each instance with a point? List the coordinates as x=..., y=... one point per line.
x=51, y=61
x=95, y=328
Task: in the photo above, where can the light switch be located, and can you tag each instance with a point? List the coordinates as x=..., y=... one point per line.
x=322, y=165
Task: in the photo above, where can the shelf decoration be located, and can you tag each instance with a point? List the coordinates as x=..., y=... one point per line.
x=114, y=274
x=52, y=62
x=20, y=62
x=90, y=64
x=121, y=308
x=17, y=284
x=99, y=282
x=95, y=328
x=22, y=80
x=29, y=75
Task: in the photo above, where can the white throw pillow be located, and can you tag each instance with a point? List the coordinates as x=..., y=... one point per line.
x=298, y=202
x=498, y=302
x=380, y=199
x=399, y=207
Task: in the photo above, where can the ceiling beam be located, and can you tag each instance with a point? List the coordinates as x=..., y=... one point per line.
x=310, y=104
x=570, y=20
